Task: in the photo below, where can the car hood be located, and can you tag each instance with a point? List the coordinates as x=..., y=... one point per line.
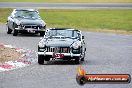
x=28, y=21
x=60, y=42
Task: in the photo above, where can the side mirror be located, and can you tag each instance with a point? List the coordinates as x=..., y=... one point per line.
x=82, y=37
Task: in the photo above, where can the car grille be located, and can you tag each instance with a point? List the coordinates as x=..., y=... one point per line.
x=58, y=49
x=32, y=26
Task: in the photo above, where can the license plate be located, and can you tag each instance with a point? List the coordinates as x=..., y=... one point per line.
x=58, y=55
x=31, y=30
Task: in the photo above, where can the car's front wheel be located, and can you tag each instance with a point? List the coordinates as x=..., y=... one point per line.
x=42, y=33
x=8, y=30
x=15, y=32
x=47, y=58
x=77, y=60
x=41, y=59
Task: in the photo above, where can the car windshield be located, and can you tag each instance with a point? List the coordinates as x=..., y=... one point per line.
x=26, y=14
x=62, y=34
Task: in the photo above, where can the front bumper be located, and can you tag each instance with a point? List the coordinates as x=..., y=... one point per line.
x=29, y=29
x=65, y=54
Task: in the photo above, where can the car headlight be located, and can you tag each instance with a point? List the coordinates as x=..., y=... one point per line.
x=16, y=26
x=76, y=45
x=41, y=44
x=18, y=22
x=43, y=23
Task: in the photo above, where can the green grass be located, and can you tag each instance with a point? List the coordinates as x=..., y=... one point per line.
x=4, y=13
x=84, y=1
x=88, y=20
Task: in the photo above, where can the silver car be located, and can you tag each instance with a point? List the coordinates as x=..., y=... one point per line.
x=25, y=20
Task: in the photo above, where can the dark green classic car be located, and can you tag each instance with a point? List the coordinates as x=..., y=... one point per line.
x=25, y=20
x=62, y=43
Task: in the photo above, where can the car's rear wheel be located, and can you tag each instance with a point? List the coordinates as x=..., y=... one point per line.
x=82, y=59
x=8, y=30
x=15, y=32
x=83, y=54
x=41, y=59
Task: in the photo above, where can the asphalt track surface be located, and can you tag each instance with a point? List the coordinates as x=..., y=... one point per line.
x=66, y=5
x=106, y=53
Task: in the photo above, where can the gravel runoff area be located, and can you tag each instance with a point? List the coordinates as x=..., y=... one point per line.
x=13, y=58
x=7, y=54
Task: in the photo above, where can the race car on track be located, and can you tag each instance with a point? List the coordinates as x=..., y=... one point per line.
x=25, y=20
x=62, y=43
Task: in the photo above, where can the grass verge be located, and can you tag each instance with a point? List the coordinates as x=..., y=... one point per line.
x=86, y=20
x=69, y=1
